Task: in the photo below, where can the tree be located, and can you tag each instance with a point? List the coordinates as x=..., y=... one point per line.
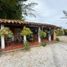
x=65, y=13
x=14, y=9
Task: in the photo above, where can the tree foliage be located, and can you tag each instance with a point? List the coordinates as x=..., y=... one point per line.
x=65, y=12
x=14, y=9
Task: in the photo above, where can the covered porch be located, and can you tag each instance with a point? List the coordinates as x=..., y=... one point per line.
x=17, y=40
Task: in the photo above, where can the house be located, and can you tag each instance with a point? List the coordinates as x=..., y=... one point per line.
x=17, y=25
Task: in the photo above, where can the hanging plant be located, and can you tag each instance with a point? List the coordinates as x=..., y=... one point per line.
x=42, y=34
x=26, y=31
x=6, y=32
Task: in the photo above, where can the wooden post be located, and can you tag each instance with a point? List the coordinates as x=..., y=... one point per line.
x=39, y=38
x=2, y=39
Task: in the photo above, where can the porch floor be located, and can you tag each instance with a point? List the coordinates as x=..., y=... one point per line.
x=13, y=46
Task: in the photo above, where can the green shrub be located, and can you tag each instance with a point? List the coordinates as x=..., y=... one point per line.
x=6, y=32
x=26, y=46
x=42, y=34
x=1, y=53
x=65, y=31
x=57, y=39
x=30, y=38
x=43, y=44
x=26, y=31
x=59, y=32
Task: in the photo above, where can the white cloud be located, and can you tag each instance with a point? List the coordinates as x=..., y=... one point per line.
x=49, y=11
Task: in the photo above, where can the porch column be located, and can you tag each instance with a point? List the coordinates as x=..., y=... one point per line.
x=24, y=38
x=54, y=35
x=49, y=36
x=39, y=38
x=2, y=39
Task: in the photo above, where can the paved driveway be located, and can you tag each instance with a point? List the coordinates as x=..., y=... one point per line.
x=53, y=55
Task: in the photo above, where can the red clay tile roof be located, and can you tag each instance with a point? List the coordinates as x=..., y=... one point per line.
x=5, y=21
x=11, y=21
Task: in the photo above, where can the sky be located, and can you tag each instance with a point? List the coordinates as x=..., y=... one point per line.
x=50, y=12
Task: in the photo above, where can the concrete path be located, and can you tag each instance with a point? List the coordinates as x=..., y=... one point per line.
x=53, y=55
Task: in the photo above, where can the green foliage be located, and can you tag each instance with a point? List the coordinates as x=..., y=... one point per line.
x=65, y=12
x=43, y=44
x=6, y=32
x=26, y=31
x=65, y=31
x=30, y=38
x=1, y=53
x=59, y=32
x=42, y=34
x=26, y=46
x=57, y=39
x=27, y=9
x=10, y=9
x=14, y=9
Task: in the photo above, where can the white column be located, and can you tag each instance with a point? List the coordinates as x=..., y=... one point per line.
x=39, y=38
x=49, y=36
x=24, y=38
x=54, y=35
x=2, y=39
